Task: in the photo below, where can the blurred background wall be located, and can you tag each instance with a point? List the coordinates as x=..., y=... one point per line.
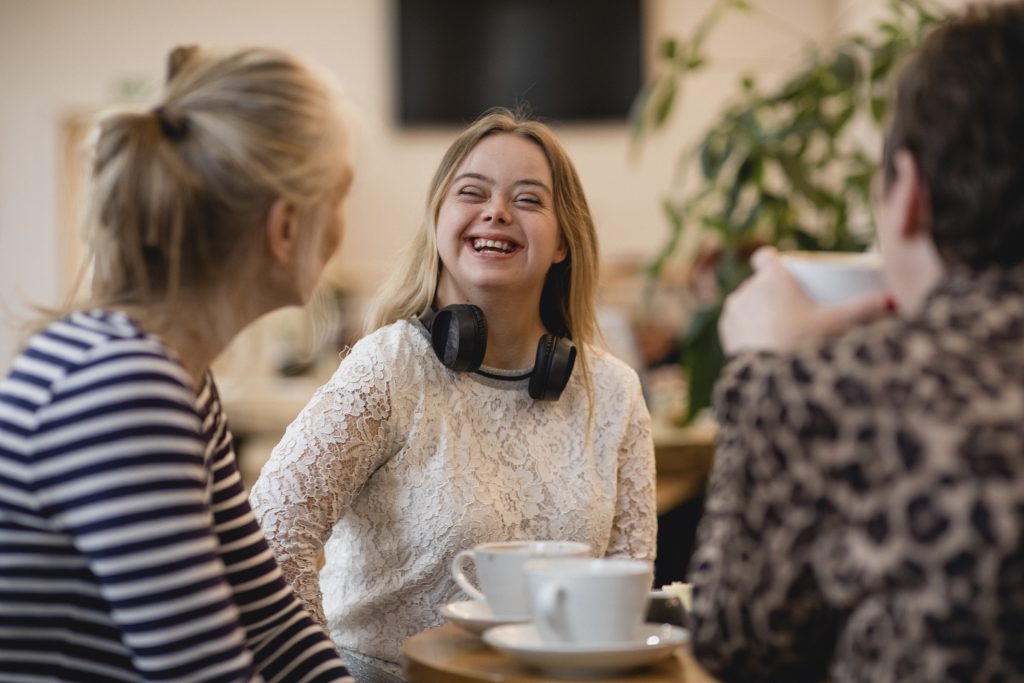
x=61, y=60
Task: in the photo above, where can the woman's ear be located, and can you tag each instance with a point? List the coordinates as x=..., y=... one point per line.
x=912, y=196
x=563, y=249
x=282, y=231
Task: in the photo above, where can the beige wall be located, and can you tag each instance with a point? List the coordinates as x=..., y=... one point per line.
x=60, y=56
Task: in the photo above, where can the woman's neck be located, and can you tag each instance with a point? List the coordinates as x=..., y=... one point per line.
x=198, y=327
x=512, y=334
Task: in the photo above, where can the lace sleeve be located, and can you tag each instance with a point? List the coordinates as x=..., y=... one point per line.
x=635, y=528
x=325, y=457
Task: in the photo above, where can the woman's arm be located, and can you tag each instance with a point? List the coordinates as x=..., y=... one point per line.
x=635, y=526
x=285, y=640
x=326, y=456
x=120, y=469
x=758, y=612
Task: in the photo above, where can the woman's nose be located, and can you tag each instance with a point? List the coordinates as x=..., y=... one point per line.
x=497, y=212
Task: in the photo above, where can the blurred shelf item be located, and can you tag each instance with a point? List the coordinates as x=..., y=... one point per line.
x=683, y=457
x=259, y=410
x=264, y=406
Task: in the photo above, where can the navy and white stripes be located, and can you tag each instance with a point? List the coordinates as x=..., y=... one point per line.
x=128, y=550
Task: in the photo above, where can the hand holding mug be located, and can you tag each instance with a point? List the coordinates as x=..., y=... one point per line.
x=774, y=309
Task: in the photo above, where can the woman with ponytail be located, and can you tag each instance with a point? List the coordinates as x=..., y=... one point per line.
x=128, y=550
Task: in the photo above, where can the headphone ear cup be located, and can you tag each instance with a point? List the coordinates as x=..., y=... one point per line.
x=458, y=334
x=556, y=357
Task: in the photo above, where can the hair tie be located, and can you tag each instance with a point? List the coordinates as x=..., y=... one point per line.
x=172, y=130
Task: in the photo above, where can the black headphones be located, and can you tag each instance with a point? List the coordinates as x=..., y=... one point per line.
x=458, y=334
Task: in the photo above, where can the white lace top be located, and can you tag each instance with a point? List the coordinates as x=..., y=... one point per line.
x=397, y=463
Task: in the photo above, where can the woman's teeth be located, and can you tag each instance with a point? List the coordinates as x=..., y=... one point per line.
x=493, y=245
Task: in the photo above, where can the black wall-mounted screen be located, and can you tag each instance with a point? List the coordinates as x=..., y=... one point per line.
x=567, y=60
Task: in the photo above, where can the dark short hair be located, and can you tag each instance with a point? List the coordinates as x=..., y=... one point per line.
x=959, y=110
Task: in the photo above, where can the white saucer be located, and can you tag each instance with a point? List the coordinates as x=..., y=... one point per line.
x=523, y=643
x=474, y=616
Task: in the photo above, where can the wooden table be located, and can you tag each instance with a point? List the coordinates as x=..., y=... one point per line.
x=448, y=654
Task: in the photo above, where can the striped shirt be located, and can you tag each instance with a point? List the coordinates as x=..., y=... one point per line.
x=128, y=550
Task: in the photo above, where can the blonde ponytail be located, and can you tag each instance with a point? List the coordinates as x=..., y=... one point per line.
x=180, y=190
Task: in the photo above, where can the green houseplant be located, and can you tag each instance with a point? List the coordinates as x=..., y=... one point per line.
x=781, y=166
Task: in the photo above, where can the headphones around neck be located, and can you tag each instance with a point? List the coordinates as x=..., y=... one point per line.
x=458, y=334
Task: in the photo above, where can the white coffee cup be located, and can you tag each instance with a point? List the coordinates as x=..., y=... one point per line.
x=832, y=277
x=591, y=601
x=499, y=567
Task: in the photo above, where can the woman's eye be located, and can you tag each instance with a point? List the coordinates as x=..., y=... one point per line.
x=528, y=199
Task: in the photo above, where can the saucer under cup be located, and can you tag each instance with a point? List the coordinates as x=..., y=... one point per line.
x=473, y=616
x=524, y=644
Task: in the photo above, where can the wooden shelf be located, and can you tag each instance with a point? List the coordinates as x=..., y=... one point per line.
x=683, y=457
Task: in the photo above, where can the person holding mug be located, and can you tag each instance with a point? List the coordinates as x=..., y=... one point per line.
x=477, y=409
x=128, y=550
x=864, y=520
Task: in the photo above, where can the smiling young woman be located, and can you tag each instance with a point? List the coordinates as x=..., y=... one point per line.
x=463, y=416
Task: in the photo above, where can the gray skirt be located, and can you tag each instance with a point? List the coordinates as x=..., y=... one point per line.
x=364, y=671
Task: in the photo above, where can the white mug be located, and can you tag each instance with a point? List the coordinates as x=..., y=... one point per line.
x=832, y=277
x=499, y=567
x=591, y=601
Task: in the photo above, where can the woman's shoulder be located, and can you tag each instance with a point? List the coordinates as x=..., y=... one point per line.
x=97, y=345
x=401, y=346
x=855, y=365
x=604, y=363
x=393, y=339
x=611, y=376
x=91, y=363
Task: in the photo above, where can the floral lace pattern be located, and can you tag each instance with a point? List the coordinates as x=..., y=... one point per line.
x=397, y=463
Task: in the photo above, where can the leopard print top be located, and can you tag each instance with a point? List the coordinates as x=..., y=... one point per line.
x=866, y=507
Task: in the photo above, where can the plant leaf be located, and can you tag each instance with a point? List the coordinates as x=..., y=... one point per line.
x=879, y=109
x=669, y=48
x=676, y=218
x=694, y=63
x=662, y=99
x=798, y=176
x=715, y=150
x=702, y=358
x=845, y=69
x=638, y=118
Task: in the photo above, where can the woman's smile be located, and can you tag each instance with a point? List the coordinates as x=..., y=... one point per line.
x=493, y=247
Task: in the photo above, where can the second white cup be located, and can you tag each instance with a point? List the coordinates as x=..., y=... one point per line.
x=832, y=277
x=589, y=601
x=499, y=568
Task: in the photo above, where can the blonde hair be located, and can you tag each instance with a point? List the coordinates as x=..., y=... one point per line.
x=179, y=190
x=567, y=306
